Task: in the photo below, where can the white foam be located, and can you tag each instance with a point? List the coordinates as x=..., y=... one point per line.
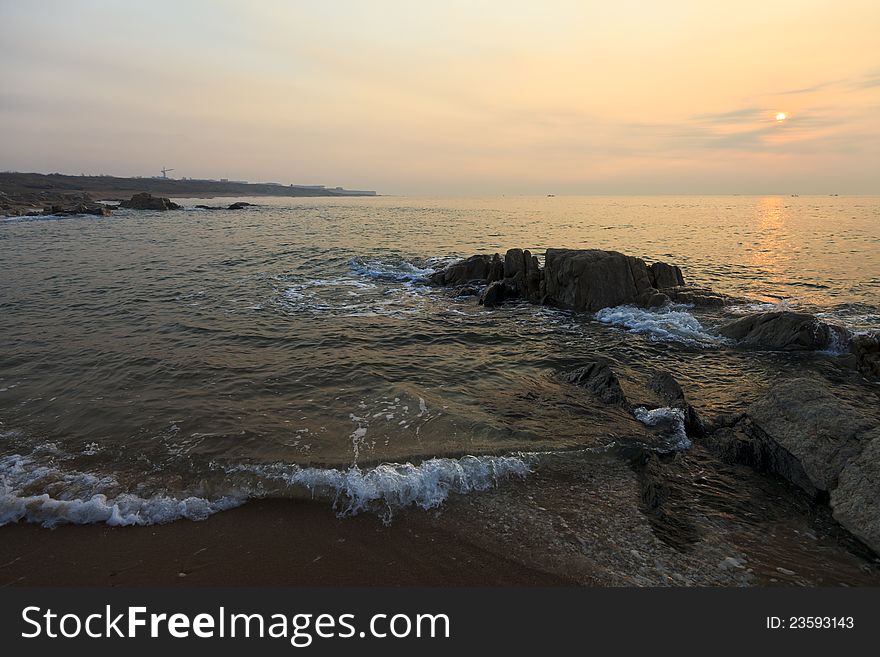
x=396, y=485
x=668, y=323
x=401, y=271
x=84, y=498
x=666, y=414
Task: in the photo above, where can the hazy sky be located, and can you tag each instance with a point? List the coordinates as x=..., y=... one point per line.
x=450, y=97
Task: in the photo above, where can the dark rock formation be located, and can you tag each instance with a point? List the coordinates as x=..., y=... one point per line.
x=524, y=275
x=592, y=279
x=820, y=443
x=597, y=377
x=145, y=201
x=239, y=205
x=855, y=503
x=577, y=279
x=669, y=390
x=663, y=275
x=866, y=349
x=84, y=207
x=783, y=331
x=494, y=294
x=483, y=268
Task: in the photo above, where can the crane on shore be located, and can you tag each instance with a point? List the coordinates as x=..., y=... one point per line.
x=165, y=172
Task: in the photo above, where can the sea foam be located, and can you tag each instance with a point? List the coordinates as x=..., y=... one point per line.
x=84, y=498
x=674, y=417
x=668, y=323
x=391, y=486
x=44, y=494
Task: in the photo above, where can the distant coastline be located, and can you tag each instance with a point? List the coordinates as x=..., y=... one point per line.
x=21, y=192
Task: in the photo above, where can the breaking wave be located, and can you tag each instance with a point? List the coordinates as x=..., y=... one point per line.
x=400, y=271
x=395, y=485
x=44, y=494
x=83, y=498
x=670, y=323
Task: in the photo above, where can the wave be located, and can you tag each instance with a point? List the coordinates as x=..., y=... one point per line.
x=84, y=498
x=41, y=493
x=400, y=271
x=668, y=323
x=392, y=486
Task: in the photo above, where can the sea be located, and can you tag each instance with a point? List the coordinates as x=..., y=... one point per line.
x=160, y=366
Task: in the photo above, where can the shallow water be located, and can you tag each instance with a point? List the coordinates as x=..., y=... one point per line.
x=178, y=362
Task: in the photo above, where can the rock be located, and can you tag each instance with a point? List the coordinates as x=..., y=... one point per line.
x=85, y=207
x=524, y=274
x=669, y=390
x=483, y=268
x=494, y=294
x=664, y=275
x=817, y=441
x=820, y=431
x=239, y=205
x=855, y=503
x=866, y=349
x=597, y=377
x=593, y=279
x=784, y=331
x=146, y=201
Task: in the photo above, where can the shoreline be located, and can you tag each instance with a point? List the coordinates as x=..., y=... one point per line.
x=576, y=520
x=262, y=543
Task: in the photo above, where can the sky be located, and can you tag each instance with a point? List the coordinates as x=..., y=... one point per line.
x=450, y=98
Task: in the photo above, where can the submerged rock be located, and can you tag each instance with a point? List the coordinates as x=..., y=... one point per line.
x=597, y=377
x=784, y=331
x=146, y=201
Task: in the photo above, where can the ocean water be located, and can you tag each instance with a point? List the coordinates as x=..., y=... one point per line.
x=156, y=366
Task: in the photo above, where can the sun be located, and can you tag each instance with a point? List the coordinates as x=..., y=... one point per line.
x=781, y=116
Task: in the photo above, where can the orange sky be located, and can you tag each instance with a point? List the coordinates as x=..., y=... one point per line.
x=450, y=97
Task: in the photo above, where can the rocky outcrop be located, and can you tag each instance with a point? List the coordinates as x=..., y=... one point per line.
x=664, y=275
x=83, y=207
x=593, y=279
x=855, y=503
x=238, y=205
x=576, y=279
x=866, y=349
x=597, y=377
x=146, y=201
x=524, y=275
x=481, y=268
x=783, y=331
x=818, y=442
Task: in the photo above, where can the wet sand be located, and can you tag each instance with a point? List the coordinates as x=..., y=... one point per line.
x=263, y=543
